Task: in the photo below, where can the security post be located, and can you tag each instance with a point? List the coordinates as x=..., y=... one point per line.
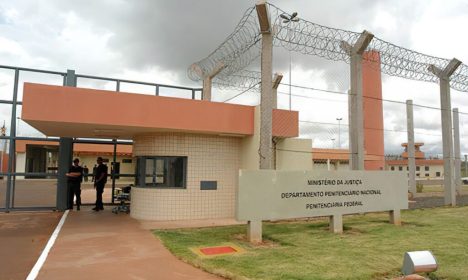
x=446, y=115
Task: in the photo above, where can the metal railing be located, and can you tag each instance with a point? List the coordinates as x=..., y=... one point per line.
x=12, y=136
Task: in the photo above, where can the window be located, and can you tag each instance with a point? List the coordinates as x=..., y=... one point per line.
x=437, y=174
x=417, y=168
x=392, y=168
x=400, y=168
x=127, y=160
x=417, y=175
x=164, y=172
x=426, y=168
x=427, y=174
x=407, y=168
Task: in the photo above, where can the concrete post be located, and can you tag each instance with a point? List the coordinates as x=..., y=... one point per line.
x=357, y=141
x=254, y=231
x=265, y=87
x=65, y=158
x=207, y=89
x=336, y=223
x=457, y=153
x=208, y=79
x=447, y=139
x=352, y=130
x=276, y=82
x=466, y=166
x=395, y=217
x=411, y=152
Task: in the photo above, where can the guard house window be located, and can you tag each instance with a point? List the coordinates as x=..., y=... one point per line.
x=392, y=168
x=417, y=168
x=427, y=174
x=426, y=168
x=161, y=172
x=437, y=174
x=400, y=168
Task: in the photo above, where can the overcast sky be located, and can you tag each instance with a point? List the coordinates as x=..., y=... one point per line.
x=156, y=41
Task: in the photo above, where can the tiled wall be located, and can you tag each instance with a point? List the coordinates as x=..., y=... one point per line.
x=209, y=158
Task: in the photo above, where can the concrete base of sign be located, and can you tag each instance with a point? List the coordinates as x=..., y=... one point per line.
x=336, y=224
x=254, y=231
x=395, y=217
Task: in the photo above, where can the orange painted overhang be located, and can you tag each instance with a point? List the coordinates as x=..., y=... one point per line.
x=80, y=112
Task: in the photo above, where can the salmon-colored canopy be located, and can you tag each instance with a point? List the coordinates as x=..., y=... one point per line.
x=80, y=112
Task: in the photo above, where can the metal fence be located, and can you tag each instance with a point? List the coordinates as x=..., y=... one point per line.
x=13, y=193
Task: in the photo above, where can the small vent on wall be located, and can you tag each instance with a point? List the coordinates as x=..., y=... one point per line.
x=208, y=185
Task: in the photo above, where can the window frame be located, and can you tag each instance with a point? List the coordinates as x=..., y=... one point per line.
x=141, y=178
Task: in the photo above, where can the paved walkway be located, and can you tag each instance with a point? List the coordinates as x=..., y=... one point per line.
x=102, y=245
x=23, y=236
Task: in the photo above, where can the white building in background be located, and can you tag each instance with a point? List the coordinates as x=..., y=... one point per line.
x=42, y=157
x=426, y=168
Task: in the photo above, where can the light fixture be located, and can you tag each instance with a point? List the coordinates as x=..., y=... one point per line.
x=418, y=261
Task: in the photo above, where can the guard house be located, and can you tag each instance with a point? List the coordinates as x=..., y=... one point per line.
x=188, y=153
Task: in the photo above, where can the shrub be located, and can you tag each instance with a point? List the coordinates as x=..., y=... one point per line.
x=419, y=187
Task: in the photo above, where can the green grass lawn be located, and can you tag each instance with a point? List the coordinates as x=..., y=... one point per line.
x=439, y=188
x=369, y=248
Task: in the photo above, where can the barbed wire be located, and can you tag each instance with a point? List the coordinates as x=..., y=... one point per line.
x=239, y=49
x=244, y=79
x=243, y=46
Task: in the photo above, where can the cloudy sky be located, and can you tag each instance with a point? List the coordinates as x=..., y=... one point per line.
x=155, y=41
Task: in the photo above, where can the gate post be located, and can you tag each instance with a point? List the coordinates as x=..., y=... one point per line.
x=65, y=157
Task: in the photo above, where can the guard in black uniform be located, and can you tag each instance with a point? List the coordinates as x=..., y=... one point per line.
x=100, y=180
x=75, y=176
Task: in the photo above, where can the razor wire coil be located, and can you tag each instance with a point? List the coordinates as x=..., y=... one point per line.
x=242, y=47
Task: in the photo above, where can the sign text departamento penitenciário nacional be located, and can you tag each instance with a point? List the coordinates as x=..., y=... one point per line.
x=270, y=194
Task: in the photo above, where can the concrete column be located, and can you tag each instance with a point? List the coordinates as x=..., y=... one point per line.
x=466, y=166
x=352, y=130
x=254, y=231
x=336, y=224
x=328, y=164
x=65, y=157
x=356, y=90
x=356, y=107
x=266, y=91
x=411, y=152
x=207, y=89
x=395, y=217
x=276, y=82
x=447, y=139
x=208, y=81
x=457, y=153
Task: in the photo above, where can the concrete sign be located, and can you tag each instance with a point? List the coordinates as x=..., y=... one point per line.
x=270, y=194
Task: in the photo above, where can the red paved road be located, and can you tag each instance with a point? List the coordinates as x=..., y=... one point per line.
x=23, y=236
x=102, y=245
